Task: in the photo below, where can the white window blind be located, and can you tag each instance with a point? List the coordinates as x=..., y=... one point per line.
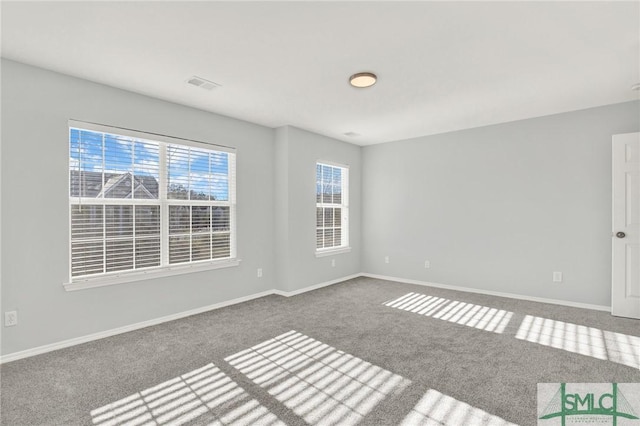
x=144, y=204
x=332, y=207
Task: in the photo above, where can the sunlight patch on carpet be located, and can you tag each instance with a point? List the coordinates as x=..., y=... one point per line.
x=468, y=314
x=590, y=341
x=202, y=395
x=319, y=383
x=436, y=408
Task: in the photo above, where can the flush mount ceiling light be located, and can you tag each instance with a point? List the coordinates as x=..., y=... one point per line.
x=635, y=86
x=363, y=79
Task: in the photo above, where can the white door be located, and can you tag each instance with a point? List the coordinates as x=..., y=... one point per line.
x=625, y=291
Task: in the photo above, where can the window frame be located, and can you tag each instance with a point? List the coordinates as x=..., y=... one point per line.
x=344, y=247
x=165, y=268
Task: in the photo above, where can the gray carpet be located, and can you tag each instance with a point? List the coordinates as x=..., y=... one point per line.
x=342, y=354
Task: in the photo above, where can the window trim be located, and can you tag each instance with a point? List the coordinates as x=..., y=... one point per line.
x=332, y=250
x=344, y=248
x=119, y=277
x=122, y=277
x=139, y=134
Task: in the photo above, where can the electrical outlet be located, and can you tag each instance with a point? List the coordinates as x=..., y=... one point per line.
x=557, y=277
x=333, y=263
x=427, y=264
x=10, y=318
x=259, y=274
x=386, y=259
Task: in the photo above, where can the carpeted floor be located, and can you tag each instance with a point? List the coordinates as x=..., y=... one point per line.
x=365, y=351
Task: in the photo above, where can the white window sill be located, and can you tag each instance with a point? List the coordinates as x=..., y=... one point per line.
x=132, y=276
x=332, y=251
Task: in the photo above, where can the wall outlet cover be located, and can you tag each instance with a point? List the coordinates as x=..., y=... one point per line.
x=10, y=318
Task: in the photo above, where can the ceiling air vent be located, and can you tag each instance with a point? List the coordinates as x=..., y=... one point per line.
x=202, y=83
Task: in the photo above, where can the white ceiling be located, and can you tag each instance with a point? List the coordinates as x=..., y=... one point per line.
x=442, y=66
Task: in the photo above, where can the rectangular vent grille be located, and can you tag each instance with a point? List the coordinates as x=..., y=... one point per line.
x=202, y=83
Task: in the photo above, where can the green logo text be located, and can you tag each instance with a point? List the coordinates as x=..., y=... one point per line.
x=612, y=404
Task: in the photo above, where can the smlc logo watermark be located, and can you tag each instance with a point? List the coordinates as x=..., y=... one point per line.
x=591, y=404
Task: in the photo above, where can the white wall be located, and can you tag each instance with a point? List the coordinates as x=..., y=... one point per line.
x=495, y=208
x=36, y=105
x=500, y=207
x=297, y=152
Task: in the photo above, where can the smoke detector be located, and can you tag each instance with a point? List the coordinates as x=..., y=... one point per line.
x=202, y=83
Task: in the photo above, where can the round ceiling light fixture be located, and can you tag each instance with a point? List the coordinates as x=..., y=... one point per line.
x=363, y=79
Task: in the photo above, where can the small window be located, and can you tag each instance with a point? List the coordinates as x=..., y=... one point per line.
x=332, y=207
x=139, y=204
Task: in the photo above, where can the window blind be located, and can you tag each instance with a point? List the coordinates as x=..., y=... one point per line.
x=139, y=204
x=332, y=209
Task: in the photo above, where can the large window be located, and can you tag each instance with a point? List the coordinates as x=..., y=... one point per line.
x=144, y=203
x=332, y=208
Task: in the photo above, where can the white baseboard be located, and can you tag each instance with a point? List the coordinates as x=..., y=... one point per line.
x=95, y=336
x=491, y=293
x=100, y=335
x=315, y=286
x=108, y=333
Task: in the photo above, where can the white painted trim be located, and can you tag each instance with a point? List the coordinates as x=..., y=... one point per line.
x=108, y=333
x=491, y=293
x=315, y=286
x=140, y=134
x=142, y=274
x=332, y=251
x=332, y=163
